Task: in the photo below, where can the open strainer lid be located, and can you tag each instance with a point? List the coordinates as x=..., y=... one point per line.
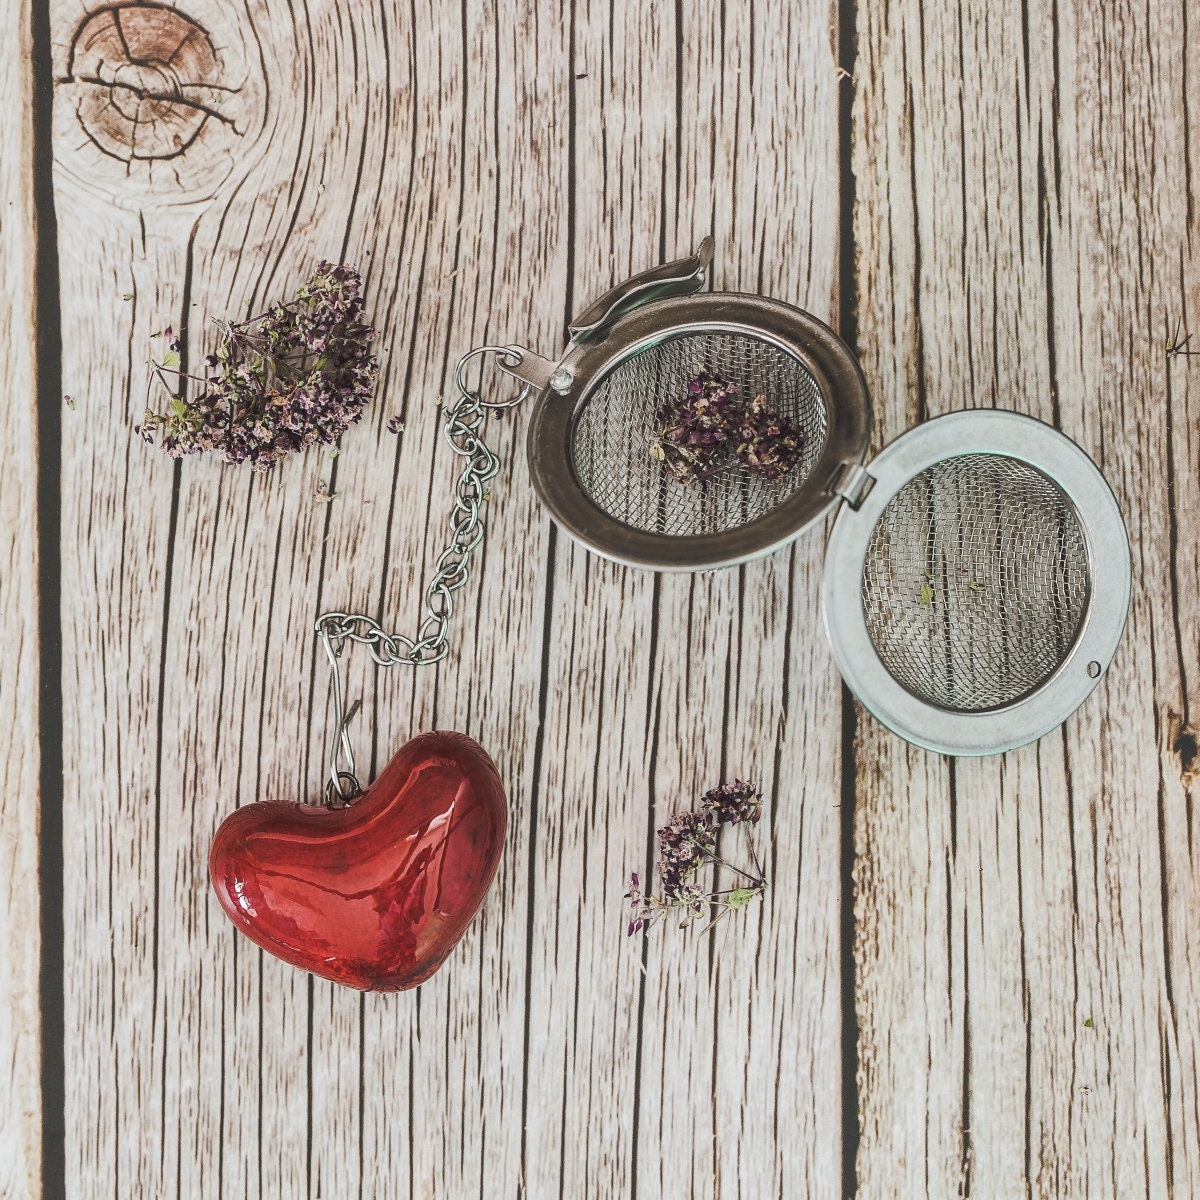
x=977, y=593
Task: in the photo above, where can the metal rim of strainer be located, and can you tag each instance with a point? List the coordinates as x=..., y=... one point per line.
x=587, y=363
x=995, y=730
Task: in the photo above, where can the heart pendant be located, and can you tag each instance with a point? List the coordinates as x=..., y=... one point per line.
x=374, y=895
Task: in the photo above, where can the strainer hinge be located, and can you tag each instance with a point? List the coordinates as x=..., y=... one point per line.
x=852, y=481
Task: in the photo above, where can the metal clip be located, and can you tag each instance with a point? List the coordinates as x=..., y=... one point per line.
x=677, y=278
x=343, y=785
x=534, y=371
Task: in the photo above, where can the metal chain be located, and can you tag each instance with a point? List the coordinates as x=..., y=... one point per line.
x=463, y=430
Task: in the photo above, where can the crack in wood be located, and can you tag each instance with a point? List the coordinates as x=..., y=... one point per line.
x=1185, y=742
x=175, y=97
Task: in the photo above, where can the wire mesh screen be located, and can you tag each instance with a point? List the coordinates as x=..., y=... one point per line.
x=616, y=432
x=975, y=582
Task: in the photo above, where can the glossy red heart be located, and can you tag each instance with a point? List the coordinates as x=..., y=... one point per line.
x=374, y=895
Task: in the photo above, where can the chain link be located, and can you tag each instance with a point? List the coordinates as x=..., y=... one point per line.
x=451, y=570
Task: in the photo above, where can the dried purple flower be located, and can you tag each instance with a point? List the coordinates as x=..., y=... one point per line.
x=697, y=432
x=298, y=374
x=643, y=912
x=769, y=443
x=688, y=843
x=733, y=802
x=693, y=430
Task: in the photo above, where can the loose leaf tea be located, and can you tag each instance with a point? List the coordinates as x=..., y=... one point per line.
x=769, y=443
x=693, y=430
x=711, y=429
x=298, y=374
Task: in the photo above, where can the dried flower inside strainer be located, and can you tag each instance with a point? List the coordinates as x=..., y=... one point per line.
x=711, y=429
x=769, y=443
x=694, y=429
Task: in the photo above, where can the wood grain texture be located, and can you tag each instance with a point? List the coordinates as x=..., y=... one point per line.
x=1027, y=928
x=490, y=167
x=1027, y=932
x=20, y=787
x=724, y=1061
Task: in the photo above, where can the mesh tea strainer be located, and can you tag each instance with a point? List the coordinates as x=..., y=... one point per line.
x=593, y=436
x=977, y=577
x=978, y=591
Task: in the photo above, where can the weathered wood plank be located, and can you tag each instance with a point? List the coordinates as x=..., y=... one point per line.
x=1011, y=253
x=594, y=772
x=1027, y=929
x=247, y=1078
x=771, y=1005
x=20, y=789
x=205, y=1067
x=662, y=1082
x=142, y=1055
x=495, y=271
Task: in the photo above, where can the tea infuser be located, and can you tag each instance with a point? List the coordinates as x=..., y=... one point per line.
x=977, y=576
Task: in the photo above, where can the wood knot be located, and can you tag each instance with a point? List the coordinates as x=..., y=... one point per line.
x=160, y=101
x=1185, y=742
x=149, y=81
x=1185, y=747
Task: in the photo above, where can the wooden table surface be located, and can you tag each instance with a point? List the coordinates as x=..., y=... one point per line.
x=972, y=977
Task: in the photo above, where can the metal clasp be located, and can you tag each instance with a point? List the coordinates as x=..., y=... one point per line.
x=534, y=371
x=512, y=360
x=343, y=785
x=678, y=278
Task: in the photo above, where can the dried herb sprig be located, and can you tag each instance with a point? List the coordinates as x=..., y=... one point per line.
x=1177, y=342
x=687, y=845
x=298, y=374
x=769, y=443
x=711, y=429
x=694, y=428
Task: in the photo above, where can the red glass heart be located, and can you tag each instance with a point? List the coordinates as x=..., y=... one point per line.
x=374, y=895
